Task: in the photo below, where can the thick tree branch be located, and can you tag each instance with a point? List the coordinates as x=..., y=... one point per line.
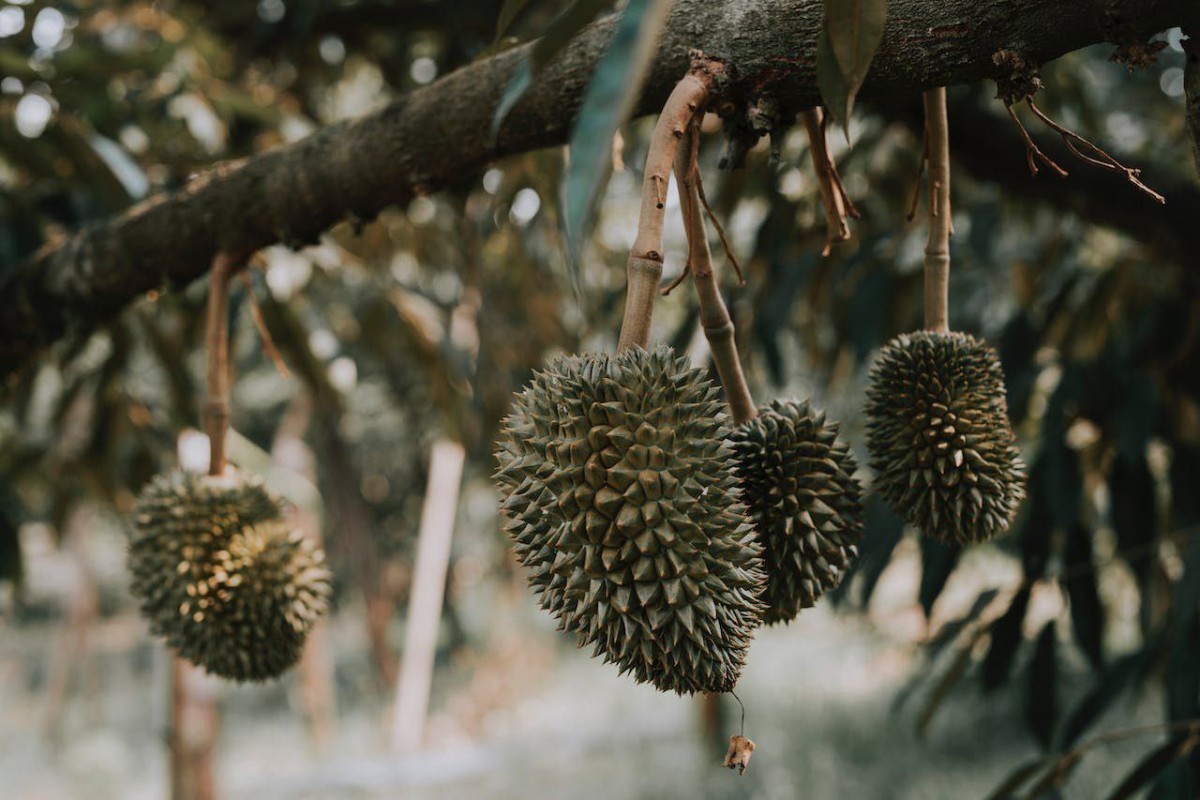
x=438, y=135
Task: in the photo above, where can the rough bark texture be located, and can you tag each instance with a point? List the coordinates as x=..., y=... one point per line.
x=437, y=136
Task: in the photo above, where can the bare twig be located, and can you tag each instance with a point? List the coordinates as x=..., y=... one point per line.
x=833, y=194
x=1103, y=160
x=714, y=316
x=264, y=333
x=1033, y=153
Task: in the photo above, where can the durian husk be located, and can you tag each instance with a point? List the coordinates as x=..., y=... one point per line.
x=220, y=575
x=613, y=473
x=797, y=481
x=943, y=451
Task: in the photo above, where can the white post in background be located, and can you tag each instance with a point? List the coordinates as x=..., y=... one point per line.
x=428, y=592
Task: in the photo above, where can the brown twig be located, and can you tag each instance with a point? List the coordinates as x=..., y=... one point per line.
x=833, y=195
x=915, y=202
x=644, y=267
x=216, y=407
x=1102, y=159
x=714, y=316
x=937, y=249
x=1033, y=153
x=720, y=229
x=264, y=333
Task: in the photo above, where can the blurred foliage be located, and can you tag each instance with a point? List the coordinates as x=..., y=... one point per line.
x=424, y=322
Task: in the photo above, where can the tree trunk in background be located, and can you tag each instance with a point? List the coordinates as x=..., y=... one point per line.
x=428, y=592
x=192, y=736
x=439, y=135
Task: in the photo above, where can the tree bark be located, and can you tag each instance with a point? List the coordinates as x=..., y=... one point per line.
x=438, y=136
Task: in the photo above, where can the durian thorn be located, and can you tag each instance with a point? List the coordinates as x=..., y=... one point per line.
x=833, y=195
x=714, y=316
x=644, y=267
x=216, y=408
x=937, y=249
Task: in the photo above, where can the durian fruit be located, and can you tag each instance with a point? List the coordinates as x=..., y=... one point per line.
x=614, y=476
x=797, y=480
x=941, y=446
x=221, y=576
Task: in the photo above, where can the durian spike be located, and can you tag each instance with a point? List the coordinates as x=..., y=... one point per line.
x=714, y=316
x=216, y=406
x=937, y=248
x=644, y=267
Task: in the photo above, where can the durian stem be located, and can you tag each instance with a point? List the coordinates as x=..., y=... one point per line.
x=645, y=264
x=714, y=316
x=216, y=407
x=937, y=250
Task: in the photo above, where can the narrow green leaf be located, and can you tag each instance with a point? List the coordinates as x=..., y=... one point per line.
x=1107, y=689
x=558, y=35
x=835, y=92
x=1056, y=776
x=1087, y=612
x=937, y=562
x=1006, y=638
x=1016, y=779
x=1041, y=710
x=1155, y=762
x=609, y=98
x=855, y=30
x=508, y=15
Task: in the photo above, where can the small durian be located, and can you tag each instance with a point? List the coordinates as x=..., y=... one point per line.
x=613, y=473
x=219, y=574
x=942, y=449
x=797, y=481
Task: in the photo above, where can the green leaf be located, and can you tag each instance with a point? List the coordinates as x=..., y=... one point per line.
x=1042, y=708
x=849, y=38
x=937, y=562
x=1006, y=638
x=1155, y=762
x=855, y=30
x=559, y=33
x=1107, y=689
x=609, y=99
x=508, y=15
x=835, y=92
x=1087, y=613
x=1016, y=779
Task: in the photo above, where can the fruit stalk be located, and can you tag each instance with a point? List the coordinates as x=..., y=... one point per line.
x=937, y=249
x=714, y=316
x=645, y=264
x=216, y=407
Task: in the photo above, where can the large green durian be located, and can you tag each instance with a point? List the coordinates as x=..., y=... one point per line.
x=221, y=576
x=797, y=480
x=613, y=474
x=941, y=445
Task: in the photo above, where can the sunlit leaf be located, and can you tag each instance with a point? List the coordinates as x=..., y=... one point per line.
x=607, y=102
